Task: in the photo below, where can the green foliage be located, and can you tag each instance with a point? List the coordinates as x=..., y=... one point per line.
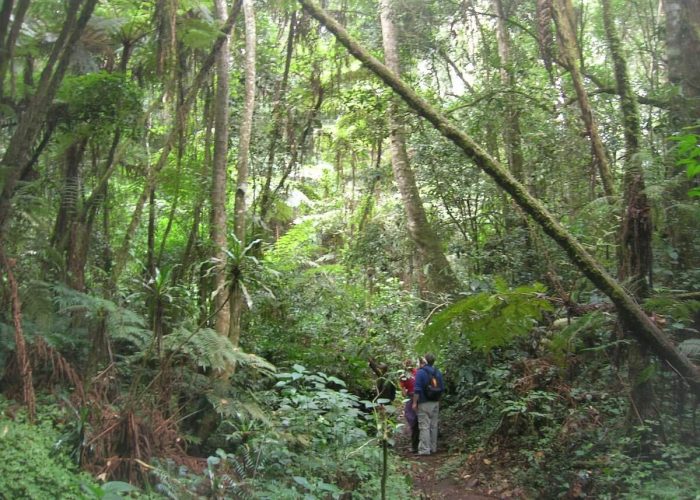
x=31, y=465
x=488, y=320
x=198, y=33
x=673, y=477
x=681, y=312
x=569, y=340
x=325, y=319
x=101, y=102
x=315, y=442
x=207, y=349
x=688, y=156
x=297, y=246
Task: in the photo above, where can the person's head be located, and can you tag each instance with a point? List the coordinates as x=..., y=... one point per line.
x=408, y=364
x=430, y=358
x=382, y=368
x=421, y=361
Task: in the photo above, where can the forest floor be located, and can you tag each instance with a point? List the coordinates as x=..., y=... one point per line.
x=453, y=476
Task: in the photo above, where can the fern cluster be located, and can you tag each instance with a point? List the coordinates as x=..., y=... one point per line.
x=488, y=319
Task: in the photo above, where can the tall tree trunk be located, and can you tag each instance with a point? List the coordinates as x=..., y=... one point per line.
x=7, y=45
x=512, y=137
x=683, y=56
x=151, y=236
x=237, y=299
x=70, y=233
x=564, y=15
x=683, y=63
x=635, y=262
x=193, y=238
x=441, y=279
x=634, y=318
x=218, y=186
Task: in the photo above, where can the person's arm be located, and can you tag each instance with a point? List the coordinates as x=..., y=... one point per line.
x=417, y=388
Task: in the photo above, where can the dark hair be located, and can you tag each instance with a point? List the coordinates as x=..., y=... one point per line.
x=430, y=358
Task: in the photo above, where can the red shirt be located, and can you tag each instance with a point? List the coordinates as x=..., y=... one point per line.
x=408, y=383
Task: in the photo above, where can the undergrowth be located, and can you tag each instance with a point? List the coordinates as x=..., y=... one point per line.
x=33, y=463
x=555, y=413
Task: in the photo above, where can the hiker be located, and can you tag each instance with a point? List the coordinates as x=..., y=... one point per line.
x=407, y=383
x=384, y=386
x=429, y=386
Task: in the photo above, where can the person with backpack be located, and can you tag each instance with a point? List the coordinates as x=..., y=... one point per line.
x=428, y=389
x=408, y=383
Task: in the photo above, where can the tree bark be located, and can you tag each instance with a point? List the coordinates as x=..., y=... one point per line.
x=634, y=318
x=683, y=55
x=7, y=46
x=635, y=259
x=218, y=185
x=563, y=15
x=237, y=299
x=512, y=137
x=441, y=279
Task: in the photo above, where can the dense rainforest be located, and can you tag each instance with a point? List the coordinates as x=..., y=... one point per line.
x=217, y=218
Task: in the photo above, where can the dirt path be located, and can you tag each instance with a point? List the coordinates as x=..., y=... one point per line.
x=450, y=476
x=435, y=478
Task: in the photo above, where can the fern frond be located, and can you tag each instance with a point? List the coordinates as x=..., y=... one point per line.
x=488, y=319
x=679, y=310
x=210, y=350
x=568, y=339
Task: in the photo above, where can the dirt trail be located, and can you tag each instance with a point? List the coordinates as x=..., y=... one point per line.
x=455, y=476
x=435, y=479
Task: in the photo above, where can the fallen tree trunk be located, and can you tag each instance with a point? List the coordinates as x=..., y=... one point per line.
x=639, y=325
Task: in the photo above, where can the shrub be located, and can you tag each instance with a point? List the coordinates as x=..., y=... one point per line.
x=32, y=467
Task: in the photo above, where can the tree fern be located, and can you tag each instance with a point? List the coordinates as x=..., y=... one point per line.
x=489, y=320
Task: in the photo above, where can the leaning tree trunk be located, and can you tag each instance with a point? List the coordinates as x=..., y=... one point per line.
x=563, y=15
x=635, y=259
x=440, y=277
x=237, y=299
x=634, y=318
x=218, y=185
